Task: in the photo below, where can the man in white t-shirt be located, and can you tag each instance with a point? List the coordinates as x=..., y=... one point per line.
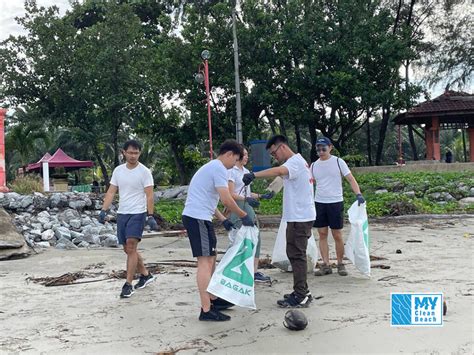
x=327, y=172
x=298, y=212
x=207, y=186
x=134, y=183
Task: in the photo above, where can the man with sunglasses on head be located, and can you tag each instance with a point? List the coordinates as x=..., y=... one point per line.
x=328, y=171
x=298, y=212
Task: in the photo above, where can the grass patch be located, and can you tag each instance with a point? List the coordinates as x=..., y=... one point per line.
x=392, y=203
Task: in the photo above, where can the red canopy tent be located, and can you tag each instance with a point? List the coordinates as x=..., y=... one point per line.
x=59, y=159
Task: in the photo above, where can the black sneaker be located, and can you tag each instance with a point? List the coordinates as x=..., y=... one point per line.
x=127, y=290
x=295, y=301
x=221, y=304
x=144, y=280
x=286, y=295
x=261, y=277
x=213, y=316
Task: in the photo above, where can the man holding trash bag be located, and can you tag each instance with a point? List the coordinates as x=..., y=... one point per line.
x=328, y=171
x=207, y=186
x=298, y=212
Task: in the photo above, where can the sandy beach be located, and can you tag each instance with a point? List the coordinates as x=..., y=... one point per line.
x=351, y=314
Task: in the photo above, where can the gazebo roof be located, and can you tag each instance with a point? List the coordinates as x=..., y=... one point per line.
x=452, y=107
x=59, y=159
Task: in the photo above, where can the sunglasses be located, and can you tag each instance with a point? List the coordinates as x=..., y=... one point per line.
x=321, y=149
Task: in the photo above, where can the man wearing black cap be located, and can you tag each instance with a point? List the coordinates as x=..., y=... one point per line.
x=328, y=171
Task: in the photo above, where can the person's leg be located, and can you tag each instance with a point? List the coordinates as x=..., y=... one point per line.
x=323, y=244
x=336, y=222
x=296, y=244
x=322, y=223
x=337, y=235
x=141, y=265
x=205, y=266
x=132, y=258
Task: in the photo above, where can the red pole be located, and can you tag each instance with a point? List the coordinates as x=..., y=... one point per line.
x=3, y=175
x=209, y=121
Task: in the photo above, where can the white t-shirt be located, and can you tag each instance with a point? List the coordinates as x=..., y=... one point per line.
x=298, y=193
x=131, y=185
x=236, y=175
x=328, y=179
x=203, y=197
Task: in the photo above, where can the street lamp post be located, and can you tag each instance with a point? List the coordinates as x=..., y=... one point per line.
x=203, y=76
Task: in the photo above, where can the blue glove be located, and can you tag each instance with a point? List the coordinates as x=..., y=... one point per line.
x=252, y=201
x=150, y=222
x=267, y=196
x=360, y=199
x=102, y=216
x=228, y=225
x=248, y=178
x=247, y=221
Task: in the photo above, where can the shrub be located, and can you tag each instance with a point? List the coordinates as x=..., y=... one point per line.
x=27, y=185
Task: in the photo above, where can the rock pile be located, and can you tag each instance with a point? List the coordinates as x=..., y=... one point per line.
x=64, y=220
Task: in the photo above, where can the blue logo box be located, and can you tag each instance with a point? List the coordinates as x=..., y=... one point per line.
x=416, y=309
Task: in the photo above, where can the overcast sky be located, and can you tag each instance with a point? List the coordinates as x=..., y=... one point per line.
x=9, y=9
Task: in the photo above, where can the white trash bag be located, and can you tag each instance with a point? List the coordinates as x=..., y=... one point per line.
x=233, y=279
x=279, y=257
x=357, y=246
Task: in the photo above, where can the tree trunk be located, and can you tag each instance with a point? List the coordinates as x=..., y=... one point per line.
x=178, y=162
x=103, y=168
x=412, y=142
x=314, y=136
x=369, y=140
x=382, y=133
x=115, y=143
x=282, y=127
x=298, y=138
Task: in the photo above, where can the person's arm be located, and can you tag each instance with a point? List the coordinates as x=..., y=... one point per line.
x=272, y=172
x=219, y=215
x=229, y=202
x=354, y=185
x=150, y=201
x=109, y=197
x=235, y=196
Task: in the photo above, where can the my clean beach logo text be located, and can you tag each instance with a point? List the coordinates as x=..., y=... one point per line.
x=415, y=309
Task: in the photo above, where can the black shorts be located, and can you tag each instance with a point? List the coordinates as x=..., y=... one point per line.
x=130, y=226
x=329, y=214
x=201, y=236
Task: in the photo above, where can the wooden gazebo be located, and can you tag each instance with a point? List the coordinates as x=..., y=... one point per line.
x=451, y=110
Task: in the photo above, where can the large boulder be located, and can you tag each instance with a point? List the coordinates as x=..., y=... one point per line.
x=12, y=243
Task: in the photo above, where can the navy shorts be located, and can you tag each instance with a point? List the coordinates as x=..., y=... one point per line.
x=329, y=214
x=201, y=236
x=130, y=226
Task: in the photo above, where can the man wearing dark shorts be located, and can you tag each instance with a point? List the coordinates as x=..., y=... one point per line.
x=298, y=212
x=328, y=171
x=134, y=183
x=207, y=186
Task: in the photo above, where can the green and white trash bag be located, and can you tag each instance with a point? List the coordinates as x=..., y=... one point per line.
x=279, y=257
x=356, y=248
x=233, y=278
